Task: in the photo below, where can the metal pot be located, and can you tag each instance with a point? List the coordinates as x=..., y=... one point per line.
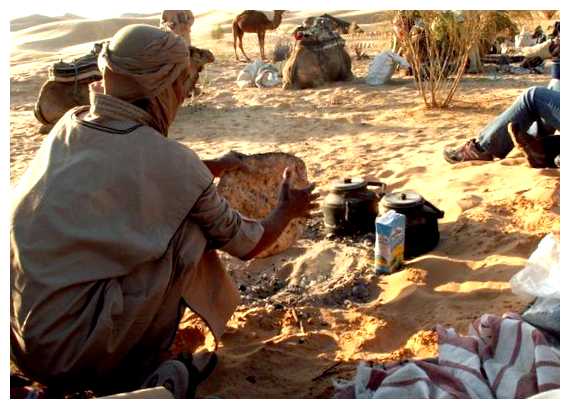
x=422, y=231
x=350, y=207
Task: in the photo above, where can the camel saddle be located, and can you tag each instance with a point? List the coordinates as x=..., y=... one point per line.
x=318, y=35
x=82, y=69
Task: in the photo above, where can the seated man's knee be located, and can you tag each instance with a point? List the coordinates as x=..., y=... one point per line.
x=530, y=92
x=529, y=95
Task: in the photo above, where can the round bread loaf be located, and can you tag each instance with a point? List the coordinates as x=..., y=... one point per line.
x=254, y=193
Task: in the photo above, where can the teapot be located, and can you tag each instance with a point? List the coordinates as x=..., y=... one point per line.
x=350, y=207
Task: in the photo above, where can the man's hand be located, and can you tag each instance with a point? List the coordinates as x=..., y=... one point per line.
x=292, y=203
x=296, y=202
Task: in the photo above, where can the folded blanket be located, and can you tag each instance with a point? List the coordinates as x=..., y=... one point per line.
x=499, y=358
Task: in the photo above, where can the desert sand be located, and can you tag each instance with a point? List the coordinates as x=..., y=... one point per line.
x=310, y=314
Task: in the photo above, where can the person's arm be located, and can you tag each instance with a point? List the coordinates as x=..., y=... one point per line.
x=227, y=230
x=293, y=203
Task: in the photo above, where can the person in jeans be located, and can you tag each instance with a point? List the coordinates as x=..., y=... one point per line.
x=534, y=114
x=529, y=122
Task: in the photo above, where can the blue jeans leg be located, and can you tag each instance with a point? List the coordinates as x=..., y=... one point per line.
x=536, y=104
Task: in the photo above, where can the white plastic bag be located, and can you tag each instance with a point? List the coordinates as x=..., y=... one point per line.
x=383, y=66
x=258, y=74
x=544, y=313
x=541, y=276
x=246, y=76
x=267, y=76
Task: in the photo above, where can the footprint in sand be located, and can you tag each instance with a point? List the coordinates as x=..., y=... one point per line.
x=471, y=163
x=469, y=202
x=412, y=171
x=386, y=174
x=513, y=161
x=398, y=184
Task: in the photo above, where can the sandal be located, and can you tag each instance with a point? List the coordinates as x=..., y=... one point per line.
x=199, y=367
x=171, y=374
x=182, y=376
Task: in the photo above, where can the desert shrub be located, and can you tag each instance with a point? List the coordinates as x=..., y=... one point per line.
x=282, y=49
x=437, y=45
x=217, y=33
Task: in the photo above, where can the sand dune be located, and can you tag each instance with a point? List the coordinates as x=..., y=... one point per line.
x=57, y=36
x=310, y=314
x=37, y=19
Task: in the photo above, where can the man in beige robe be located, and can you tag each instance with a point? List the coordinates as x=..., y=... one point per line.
x=114, y=228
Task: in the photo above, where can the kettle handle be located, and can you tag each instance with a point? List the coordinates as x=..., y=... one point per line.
x=382, y=191
x=438, y=213
x=376, y=183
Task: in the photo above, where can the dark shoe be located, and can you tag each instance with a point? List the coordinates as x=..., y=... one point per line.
x=468, y=152
x=532, y=148
x=199, y=366
x=183, y=375
x=171, y=374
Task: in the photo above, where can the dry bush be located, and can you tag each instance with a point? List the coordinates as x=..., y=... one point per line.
x=437, y=45
x=282, y=49
x=359, y=53
x=530, y=19
x=217, y=33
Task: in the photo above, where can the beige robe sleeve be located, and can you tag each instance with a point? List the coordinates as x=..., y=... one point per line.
x=225, y=228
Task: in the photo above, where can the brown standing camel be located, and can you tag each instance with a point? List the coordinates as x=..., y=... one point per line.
x=253, y=21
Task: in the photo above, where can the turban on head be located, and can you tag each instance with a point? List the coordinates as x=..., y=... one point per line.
x=142, y=61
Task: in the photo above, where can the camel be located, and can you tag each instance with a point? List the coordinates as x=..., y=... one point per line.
x=319, y=57
x=198, y=59
x=56, y=98
x=253, y=21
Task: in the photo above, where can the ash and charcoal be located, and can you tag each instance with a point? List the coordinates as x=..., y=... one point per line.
x=289, y=280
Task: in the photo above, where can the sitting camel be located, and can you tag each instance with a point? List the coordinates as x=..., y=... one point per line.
x=319, y=57
x=253, y=21
x=56, y=98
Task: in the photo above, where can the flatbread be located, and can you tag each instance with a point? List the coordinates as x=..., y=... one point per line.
x=254, y=193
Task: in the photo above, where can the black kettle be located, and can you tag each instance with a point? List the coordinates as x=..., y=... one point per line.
x=350, y=207
x=422, y=231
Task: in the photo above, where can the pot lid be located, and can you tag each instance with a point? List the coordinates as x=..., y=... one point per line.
x=347, y=184
x=402, y=200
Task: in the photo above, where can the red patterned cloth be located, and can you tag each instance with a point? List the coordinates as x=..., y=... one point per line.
x=501, y=357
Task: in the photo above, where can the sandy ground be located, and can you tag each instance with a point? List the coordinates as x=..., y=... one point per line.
x=310, y=314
